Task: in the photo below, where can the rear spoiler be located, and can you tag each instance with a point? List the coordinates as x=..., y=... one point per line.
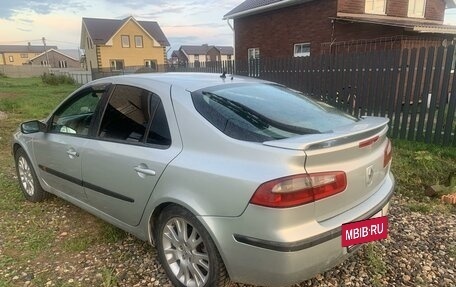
x=364, y=128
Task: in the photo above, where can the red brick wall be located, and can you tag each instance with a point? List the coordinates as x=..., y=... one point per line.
x=398, y=8
x=435, y=9
x=351, y=6
x=276, y=32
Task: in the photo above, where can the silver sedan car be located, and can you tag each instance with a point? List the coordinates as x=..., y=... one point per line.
x=228, y=177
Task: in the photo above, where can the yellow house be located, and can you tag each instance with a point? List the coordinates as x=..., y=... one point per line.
x=117, y=44
x=18, y=55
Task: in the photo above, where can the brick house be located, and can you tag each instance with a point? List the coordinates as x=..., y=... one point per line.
x=116, y=44
x=287, y=28
x=201, y=55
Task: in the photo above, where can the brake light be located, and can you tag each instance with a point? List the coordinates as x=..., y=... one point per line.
x=299, y=189
x=368, y=142
x=388, y=154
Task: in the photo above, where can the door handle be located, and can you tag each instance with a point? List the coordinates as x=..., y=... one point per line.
x=72, y=153
x=143, y=170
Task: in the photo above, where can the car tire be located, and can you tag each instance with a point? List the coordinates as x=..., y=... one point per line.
x=186, y=250
x=28, y=180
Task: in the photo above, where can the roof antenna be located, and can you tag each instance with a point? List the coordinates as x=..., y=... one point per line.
x=223, y=75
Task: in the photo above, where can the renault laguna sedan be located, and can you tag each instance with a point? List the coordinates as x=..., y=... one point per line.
x=230, y=178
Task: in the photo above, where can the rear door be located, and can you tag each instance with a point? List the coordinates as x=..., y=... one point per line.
x=133, y=147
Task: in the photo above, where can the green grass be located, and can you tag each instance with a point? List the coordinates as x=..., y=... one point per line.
x=375, y=263
x=417, y=166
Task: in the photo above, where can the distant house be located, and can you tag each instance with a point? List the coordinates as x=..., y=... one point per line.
x=178, y=58
x=20, y=54
x=58, y=59
x=200, y=55
x=287, y=28
x=116, y=44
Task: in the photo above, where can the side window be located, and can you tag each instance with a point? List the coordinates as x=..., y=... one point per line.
x=135, y=115
x=76, y=115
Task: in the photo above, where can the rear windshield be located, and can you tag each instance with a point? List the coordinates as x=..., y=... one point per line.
x=263, y=112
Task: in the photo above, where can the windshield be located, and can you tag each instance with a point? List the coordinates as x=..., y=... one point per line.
x=262, y=112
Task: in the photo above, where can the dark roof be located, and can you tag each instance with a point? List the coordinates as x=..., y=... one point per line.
x=69, y=53
x=195, y=50
x=250, y=7
x=409, y=24
x=24, y=48
x=204, y=49
x=179, y=55
x=101, y=30
x=225, y=50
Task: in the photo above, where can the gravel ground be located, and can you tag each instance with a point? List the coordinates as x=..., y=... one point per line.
x=420, y=251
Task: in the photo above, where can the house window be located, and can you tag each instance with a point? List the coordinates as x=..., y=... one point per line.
x=11, y=58
x=117, y=65
x=254, y=63
x=375, y=6
x=197, y=58
x=301, y=50
x=63, y=64
x=125, y=41
x=24, y=55
x=416, y=8
x=228, y=57
x=254, y=53
x=138, y=41
x=151, y=64
x=44, y=63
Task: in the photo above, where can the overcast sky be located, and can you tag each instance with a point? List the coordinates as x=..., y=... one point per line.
x=59, y=21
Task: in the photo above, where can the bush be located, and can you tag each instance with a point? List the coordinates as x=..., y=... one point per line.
x=3, y=75
x=54, y=80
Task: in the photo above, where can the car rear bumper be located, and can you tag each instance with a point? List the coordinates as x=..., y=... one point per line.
x=263, y=255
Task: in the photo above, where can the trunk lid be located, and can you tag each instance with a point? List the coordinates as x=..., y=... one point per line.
x=357, y=149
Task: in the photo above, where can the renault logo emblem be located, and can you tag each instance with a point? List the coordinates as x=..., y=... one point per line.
x=369, y=175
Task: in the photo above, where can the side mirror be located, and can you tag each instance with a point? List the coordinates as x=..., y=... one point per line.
x=32, y=127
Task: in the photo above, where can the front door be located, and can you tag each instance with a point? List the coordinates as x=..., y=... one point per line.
x=59, y=159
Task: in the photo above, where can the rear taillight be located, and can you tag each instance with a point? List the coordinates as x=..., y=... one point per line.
x=388, y=154
x=299, y=189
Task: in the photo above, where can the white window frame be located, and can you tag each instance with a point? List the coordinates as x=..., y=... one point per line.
x=298, y=52
x=375, y=7
x=11, y=58
x=141, y=45
x=124, y=43
x=196, y=58
x=414, y=8
x=253, y=53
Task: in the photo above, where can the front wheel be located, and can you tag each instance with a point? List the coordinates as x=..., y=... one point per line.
x=186, y=251
x=28, y=180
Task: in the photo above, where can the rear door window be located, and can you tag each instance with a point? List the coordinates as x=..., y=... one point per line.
x=262, y=112
x=135, y=115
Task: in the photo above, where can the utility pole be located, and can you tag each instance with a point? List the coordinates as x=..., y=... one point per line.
x=45, y=51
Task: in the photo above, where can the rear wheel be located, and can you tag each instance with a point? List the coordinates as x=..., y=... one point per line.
x=28, y=180
x=186, y=251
